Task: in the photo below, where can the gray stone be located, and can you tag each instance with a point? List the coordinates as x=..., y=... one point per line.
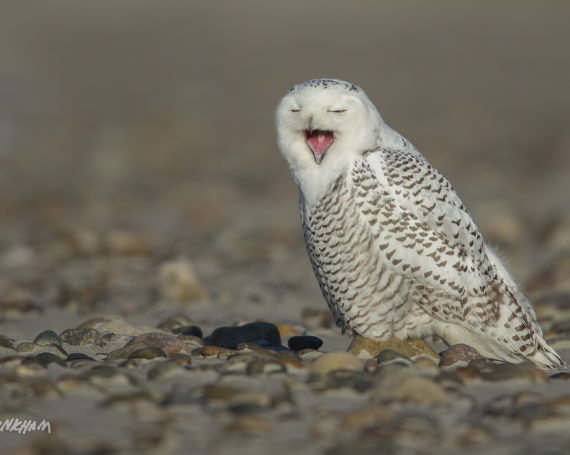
x=46, y=338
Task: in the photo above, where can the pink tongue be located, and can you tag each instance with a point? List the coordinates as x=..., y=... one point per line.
x=319, y=142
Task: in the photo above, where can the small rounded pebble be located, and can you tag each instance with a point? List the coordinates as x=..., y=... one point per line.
x=396, y=383
x=336, y=361
x=81, y=336
x=47, y=337
x=26, y=346
x=168, y=343
x=458, y=353
x=254, y=332
x=298, y=343
x=208, y=351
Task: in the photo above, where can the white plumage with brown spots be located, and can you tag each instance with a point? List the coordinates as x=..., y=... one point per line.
x=394, y=250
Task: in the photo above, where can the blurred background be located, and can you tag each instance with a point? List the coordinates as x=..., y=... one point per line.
x=142, y=126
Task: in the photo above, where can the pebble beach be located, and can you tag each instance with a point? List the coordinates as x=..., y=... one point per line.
x=155, y=291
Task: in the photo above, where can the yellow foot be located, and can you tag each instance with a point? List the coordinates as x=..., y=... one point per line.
x=412, y=347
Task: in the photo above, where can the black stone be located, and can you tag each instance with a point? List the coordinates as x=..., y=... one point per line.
x=304, y=342
x=263, y=333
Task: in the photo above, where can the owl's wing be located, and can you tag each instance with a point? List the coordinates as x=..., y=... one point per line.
x=425, y=233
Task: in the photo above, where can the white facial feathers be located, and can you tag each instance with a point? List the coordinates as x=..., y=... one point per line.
x=322, y=125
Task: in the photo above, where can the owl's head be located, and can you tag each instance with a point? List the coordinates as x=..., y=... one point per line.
x=324, y=122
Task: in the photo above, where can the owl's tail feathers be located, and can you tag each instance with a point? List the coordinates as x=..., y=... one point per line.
x=546, y=357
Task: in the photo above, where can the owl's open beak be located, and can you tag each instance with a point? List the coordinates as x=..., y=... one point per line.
x=319, y=142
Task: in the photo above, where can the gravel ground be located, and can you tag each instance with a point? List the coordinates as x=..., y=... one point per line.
x=144, y=207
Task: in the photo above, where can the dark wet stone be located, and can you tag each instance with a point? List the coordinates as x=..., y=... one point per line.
x=298, y=343
x=81, y=336
x=193, y=330
x=46, y=338
x=458, y=353
x=78, y=356
x=147, y=353
x=254, y=332
x=47, y=357
x=388, y=355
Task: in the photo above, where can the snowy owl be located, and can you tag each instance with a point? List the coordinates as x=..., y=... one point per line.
x=394, y=250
